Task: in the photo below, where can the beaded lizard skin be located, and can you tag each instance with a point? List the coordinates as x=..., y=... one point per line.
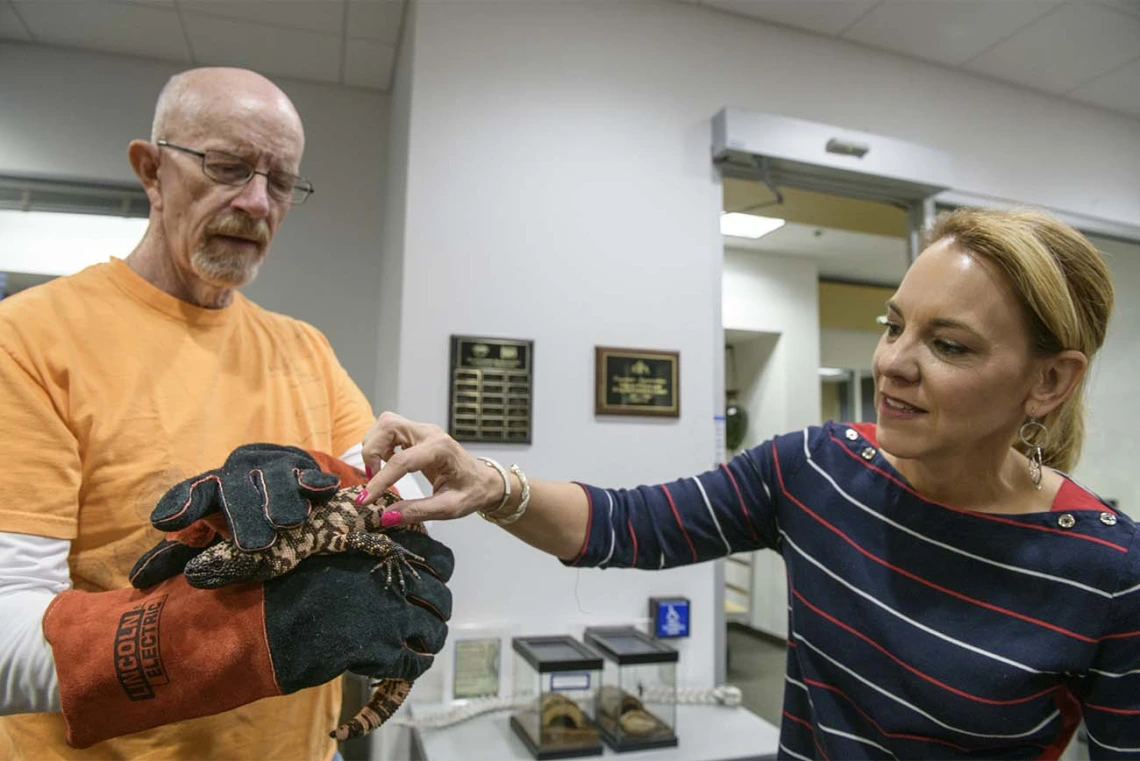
x=337, y=526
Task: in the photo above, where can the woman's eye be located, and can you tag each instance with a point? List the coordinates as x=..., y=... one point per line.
x=950, y=348
x=893, y=328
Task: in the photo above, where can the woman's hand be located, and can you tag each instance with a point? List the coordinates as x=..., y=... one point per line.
x=461, y=483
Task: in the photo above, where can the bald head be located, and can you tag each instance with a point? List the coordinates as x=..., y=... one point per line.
x=199, y=102
x=220, y=183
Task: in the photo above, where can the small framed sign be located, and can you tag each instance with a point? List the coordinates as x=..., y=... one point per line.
x=472, y=662
x=637, y=382
x=477, y=663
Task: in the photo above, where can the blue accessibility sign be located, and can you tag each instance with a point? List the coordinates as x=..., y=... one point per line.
x=670, y=616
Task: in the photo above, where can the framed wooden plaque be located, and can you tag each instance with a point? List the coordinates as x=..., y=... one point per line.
x=637, y=382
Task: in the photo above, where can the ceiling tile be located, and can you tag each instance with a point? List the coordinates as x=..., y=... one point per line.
x=1067, y=48
x=108, y=27
x=11, y=28
x=1128, y=6
x=945, y=31
x=375, y=19
x=368, y=63
x=312, y=15
x=269, y=50
x=1118, y=90
x=822, y=16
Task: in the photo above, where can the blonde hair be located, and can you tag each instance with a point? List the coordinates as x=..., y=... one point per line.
x=1065, y=289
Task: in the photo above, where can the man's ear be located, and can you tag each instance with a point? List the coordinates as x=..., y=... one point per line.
x=143, y=156
x=1058, y=377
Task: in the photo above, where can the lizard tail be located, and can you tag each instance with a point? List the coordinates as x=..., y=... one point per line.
x=387, y=696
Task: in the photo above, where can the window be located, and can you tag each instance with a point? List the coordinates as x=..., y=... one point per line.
x=48, y=229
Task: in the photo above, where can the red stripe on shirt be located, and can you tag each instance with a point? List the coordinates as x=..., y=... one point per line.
x=1122, y=711
x=1071, y=496
x=589, y=521
x=677, y=515
x=739, y=496
x=972, y=513
x=900, y=736
x=919, y=579
x=1070, y=710
x=810, y=728
x=875, y=724
x=912, y=669
x=633, y=536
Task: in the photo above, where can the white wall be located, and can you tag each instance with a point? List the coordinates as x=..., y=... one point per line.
x=66, y=114
x=849, y=349
x=540, y=132
x=1108, y=461
x=391, y=267
x=776, y=300
x=776, y=296
x=525, y=177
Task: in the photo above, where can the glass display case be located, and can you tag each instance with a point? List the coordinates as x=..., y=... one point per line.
x=557, y=679
x=637, y=703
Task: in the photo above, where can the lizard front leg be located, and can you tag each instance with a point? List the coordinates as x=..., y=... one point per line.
x=393, y=557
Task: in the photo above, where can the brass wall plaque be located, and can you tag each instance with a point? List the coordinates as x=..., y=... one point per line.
x=637, y=382
x=491, y=385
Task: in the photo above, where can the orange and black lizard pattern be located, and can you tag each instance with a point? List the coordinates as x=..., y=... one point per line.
x=337, y=526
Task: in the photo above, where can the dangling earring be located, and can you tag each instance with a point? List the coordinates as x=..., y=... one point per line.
x=1030, y=430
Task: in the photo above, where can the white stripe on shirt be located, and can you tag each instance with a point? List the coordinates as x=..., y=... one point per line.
x=1109, y=747
x=911, y=621
x=613, y=532
x=887, y=693
x=709, y=507
x=951, y=548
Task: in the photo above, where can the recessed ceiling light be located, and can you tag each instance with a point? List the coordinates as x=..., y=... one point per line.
x=739, y=225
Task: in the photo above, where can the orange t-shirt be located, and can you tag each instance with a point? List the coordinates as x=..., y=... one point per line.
x=111, y=391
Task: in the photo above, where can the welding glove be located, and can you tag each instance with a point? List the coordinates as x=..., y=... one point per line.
x=260, y=489
x=132, y=659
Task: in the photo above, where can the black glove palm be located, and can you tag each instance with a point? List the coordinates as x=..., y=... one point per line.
x=334, y=604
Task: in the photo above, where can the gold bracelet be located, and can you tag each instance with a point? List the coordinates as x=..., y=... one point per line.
x=506, y=487
x=506, y=520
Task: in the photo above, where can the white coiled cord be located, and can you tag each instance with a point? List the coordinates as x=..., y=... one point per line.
x=725, y=695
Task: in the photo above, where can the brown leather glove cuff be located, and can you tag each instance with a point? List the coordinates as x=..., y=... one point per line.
x=129, y=660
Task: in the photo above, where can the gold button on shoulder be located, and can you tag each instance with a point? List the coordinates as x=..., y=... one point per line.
x=1108, y=519
x=851, y=434
x=868, y=453
x=1066, y=521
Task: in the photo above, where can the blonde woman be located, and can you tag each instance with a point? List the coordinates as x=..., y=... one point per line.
x=952, y=591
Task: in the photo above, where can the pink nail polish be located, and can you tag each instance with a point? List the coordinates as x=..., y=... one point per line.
x=368, y=471
x=363, y=496
x=390, y=518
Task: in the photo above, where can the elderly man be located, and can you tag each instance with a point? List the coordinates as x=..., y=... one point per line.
x=118, y=382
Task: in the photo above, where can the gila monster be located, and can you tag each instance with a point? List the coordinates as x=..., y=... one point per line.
x=337, y=526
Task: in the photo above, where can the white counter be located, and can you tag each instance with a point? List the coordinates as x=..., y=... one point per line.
x=705, y=733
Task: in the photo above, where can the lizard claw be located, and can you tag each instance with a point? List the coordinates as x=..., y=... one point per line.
x=394, y=565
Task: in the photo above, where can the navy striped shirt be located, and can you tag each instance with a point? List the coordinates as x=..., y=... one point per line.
x=916, y=630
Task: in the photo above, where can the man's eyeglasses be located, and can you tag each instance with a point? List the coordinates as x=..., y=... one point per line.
x=228, y=169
